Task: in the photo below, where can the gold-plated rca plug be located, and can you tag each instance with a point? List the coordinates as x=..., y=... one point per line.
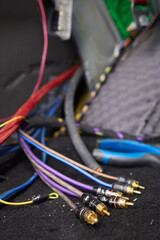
x=111, y=193
x=129, y=181
x=115, y=201
x=137, y=192
x=136, y=185
x=102, y=209
x=126, y=198
x=123, y=203
x=90, y=217
x=129, y=204
x=131, y=191
x=117, y=194
x=120, y=194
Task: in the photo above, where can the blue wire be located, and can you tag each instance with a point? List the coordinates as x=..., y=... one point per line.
x=13, y=149
x=45, y=153
x=19, y=188
x=17, y=147
x=32, y=179
x=26, y=184
x=50, y=104
x=68, y=163
x=43, y=134
x=2, y=148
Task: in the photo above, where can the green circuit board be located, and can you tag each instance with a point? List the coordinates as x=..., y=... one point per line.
x=120, y=11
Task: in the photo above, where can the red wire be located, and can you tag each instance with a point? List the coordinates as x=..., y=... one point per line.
x=115, y=201
x=111, y=192
x=10, y=128
x=45, y=47
x=5, y=119
x=44, y=55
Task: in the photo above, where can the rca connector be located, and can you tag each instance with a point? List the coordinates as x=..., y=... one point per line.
x=96, y=205
x=86, y=215
x=131, y=182
x=115, y=201
x=125, y=188
x=108, y=193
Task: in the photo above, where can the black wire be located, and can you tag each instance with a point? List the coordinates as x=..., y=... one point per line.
x=44, y=121
x=71, y=124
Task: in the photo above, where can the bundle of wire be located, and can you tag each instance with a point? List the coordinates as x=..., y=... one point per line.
x=36, y=96
x=59, y=182
x=55, y=179
x=11, y=125
x=98, y=197
x=62, y=184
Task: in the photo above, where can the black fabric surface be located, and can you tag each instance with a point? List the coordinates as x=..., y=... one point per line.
x=21, y=46
x=54, y=220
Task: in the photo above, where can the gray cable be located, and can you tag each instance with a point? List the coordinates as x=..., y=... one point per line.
x=71, y=124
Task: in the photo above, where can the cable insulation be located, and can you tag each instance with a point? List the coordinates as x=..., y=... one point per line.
x=32, y=101
x=49, y=150
x=43, y=148
x=45, y=47
x=71, y=124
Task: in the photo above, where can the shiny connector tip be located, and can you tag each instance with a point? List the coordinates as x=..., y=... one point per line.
x=122, y=203
x=136, y=185
x=120, y=194
x=131, y=191
x=109, y=193
x=106, y=212
x=115, y=201
x=126, y=198
x=95, y=204
x=90, y=217
x=129, y=181
x=125, y=188
x=87, y=215
x=129, y=204
x=102, y=209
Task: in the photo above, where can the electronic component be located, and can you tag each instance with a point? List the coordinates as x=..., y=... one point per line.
x=60, y=19
x=129, y=181
x=140, y=15
x=108, y=193
x=86, y=215
x=115, y=201
x=96, y=36
x=96, y=205
x=125, y=188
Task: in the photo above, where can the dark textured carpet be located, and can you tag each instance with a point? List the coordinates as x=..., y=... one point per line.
x=21, y=46
x=54, y=220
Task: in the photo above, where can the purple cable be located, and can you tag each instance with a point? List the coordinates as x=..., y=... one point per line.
x=96, y=129
x=52, y=170
x=55, y=185
x=120, y=135
x=139, y=139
